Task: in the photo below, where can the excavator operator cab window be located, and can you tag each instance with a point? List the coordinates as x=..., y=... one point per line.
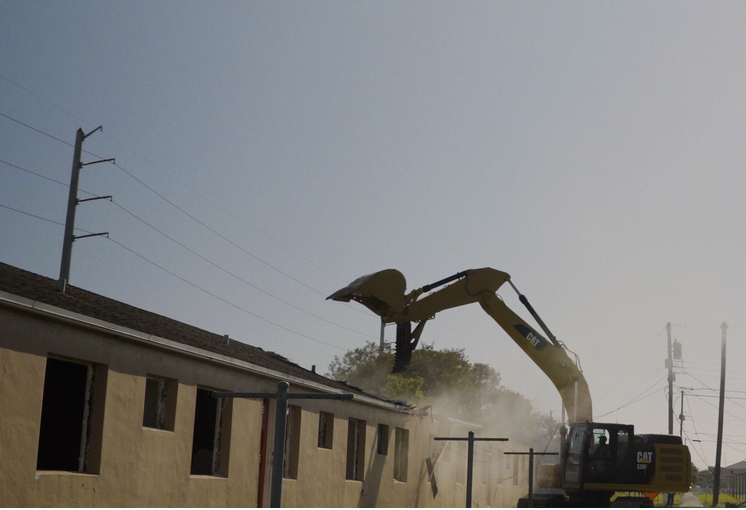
x=600, y=456
x=573, y=464
x=622, y=445
x=600, y=444
x=608, y=449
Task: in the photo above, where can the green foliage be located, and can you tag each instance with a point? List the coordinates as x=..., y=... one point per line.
x=408, y=389
x=467, y=391
x=702, y=478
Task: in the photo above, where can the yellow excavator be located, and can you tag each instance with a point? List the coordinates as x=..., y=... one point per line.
x=598, y=460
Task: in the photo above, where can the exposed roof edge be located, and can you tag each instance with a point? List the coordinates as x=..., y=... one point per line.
x=60, y=314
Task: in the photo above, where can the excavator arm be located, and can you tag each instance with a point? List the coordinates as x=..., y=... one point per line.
x=384, y=293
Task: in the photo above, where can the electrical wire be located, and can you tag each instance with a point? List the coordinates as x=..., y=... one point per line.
x=233, y=275
x=641, y=396
x=221, y=236
x=193, y=218
x=224, y=300
x=41, y=98
x=32, y=215
x=187, y=282
x=213, y=204
x=108, y=135
x=33, y=173
x=43, y=219
x=727, y=413
x=652, y=409
x=37, y=130
x=205, y=259
x=641, y=352
x=701, y=452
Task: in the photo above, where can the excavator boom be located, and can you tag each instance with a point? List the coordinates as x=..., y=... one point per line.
x=383, y=293
x=597, y=459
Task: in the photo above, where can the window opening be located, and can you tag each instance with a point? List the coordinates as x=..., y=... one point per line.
x=326, y=430
x=66, y=433
x=401, y=454
x=383, y=439
x=292, y=443
x=355, y=449
x=210, y=440
x=160, y=401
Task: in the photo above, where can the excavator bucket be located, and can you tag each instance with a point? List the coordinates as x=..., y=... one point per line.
x=384, y=294
x=381, y=292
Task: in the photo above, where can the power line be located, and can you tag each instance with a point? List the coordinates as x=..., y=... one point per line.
x=700, y=453
x=193, y=218
x=33, y=173
x=35, y=129
x=190, y=216
x=41, y=98
x=641, y=352
x=224, y=300
x=634, y=400
x=212, y=203
x=188, y=282
x=726, y=412
x=195, y=253
x=42, y=218
x=235, y=275
x=32, y=215
x=216, y=232
x=196, y=192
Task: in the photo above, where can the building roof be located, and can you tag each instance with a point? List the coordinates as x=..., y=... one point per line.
x=737, y=465
x=42, y=289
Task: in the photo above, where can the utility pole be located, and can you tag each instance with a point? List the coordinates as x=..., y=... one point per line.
x=681, y=416
x=671, y=377
x=72, y=203
x=718, y=451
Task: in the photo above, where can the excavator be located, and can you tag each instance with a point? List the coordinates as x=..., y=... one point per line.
x=601, y=464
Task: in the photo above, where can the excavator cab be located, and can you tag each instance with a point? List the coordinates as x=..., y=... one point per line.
x=596, y=453
x=604, y=458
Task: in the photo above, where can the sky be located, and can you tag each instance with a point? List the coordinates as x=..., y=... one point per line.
x=269, y=153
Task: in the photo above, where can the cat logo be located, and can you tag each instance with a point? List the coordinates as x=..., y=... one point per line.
x=644, y=457
x=535, y=339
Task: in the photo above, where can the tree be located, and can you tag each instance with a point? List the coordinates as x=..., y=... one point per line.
x=446, y=380
x=702, y=478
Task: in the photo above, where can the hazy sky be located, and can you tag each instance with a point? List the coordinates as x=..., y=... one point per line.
x=269, y=153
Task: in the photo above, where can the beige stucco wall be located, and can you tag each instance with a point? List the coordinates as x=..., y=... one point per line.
x=146, y=467
x=321, y=472
x=139, y=466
